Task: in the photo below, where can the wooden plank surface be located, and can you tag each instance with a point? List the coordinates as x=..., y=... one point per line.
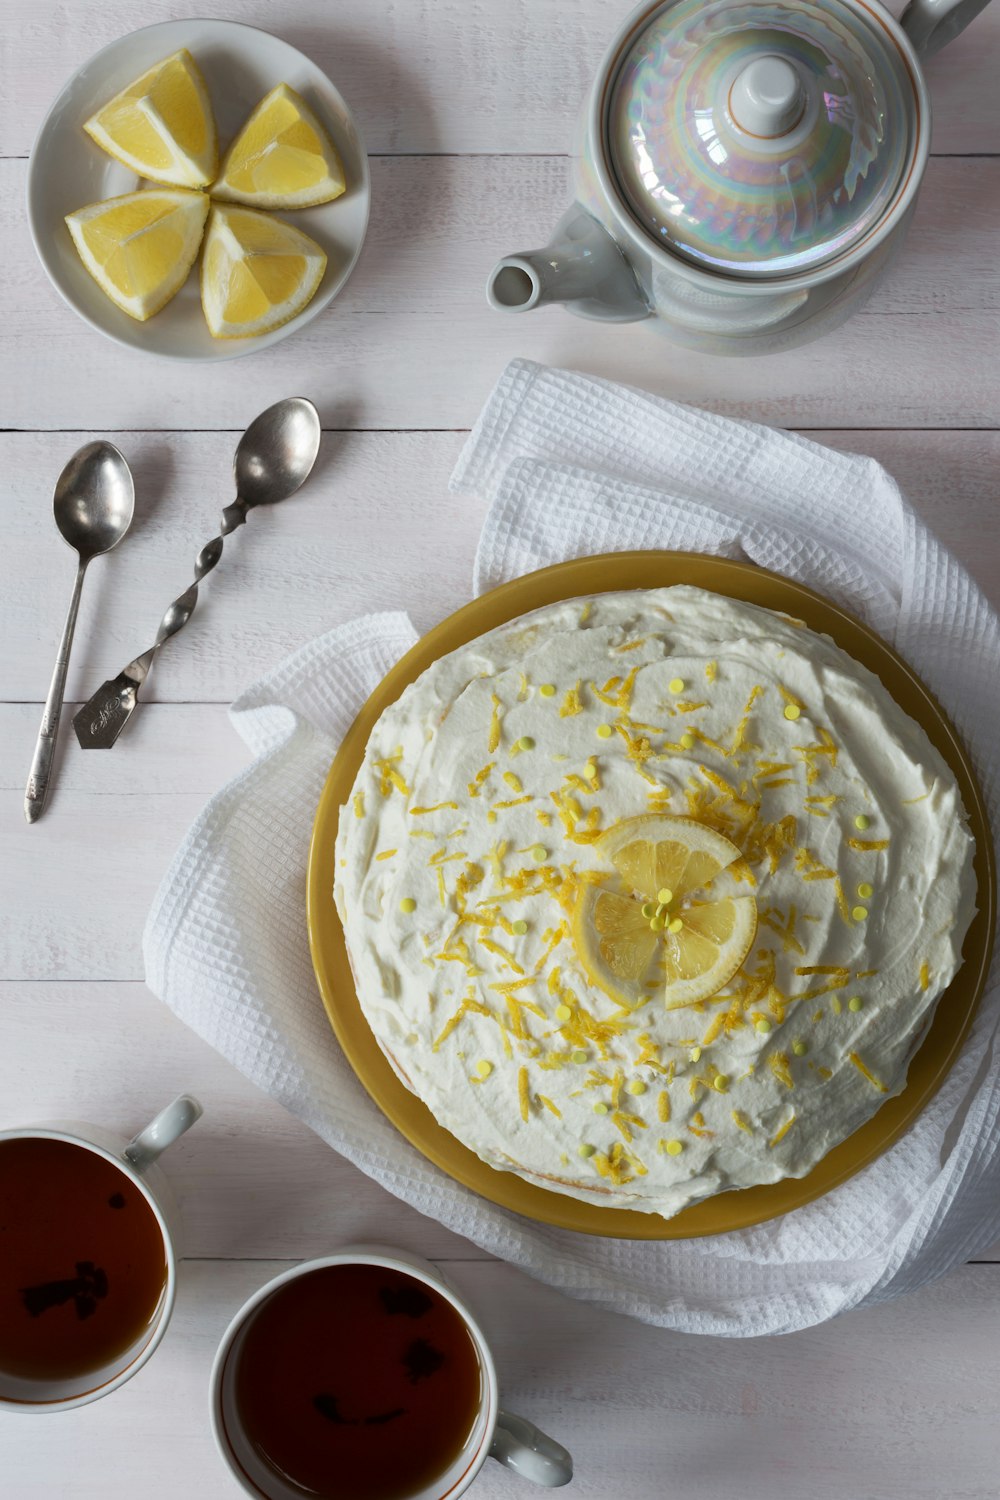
x=468, y=107
x=376, y=529
x=897, y=1403
x=450, y=76
x=411, y=342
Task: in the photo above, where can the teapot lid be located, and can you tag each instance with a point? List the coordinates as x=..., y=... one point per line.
x=760, y=139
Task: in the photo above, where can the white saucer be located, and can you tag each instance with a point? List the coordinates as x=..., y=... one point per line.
x=67, y=170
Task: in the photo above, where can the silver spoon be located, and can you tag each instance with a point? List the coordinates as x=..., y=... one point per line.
x=274, y=458
x=93, y=504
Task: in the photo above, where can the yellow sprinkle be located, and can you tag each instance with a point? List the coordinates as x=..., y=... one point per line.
x=675, y=925
x=695, y=1054
x=664, y=895
x=648, y=910
x=407, y=904
x=386, y=854
x=676, y=685
x=484, y=1068
x=674, y=1148
x=687, y=741
x=635, y=1086
x=763, y=1025
x=866, y=1073
x=538, y=853
x=859, y=913
x=720, y=1083
x=579, y=1056
x=585, y=1150
x=663, y=1106
x=925, y=975
x=865, y=890
x=791, y=712
x=657, y=922
x=862, y=822
x=780, y=1134
x=855, y=1003
x=525, y=743
x=548, y=689
x=800, y=1049
x=522, y=1092
x=604, y=731
x=520, y=926
x=600, y=1109
x=563, y=1013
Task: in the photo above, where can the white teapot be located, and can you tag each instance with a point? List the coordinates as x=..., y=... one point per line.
x=744, y=169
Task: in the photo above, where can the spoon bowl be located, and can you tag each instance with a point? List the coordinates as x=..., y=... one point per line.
x=276, y=454
x=94, y=499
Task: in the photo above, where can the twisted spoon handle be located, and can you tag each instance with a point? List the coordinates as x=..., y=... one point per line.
x=103, y=717
x=180, y=611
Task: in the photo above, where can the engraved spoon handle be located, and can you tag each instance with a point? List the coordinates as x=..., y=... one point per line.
x=37, y=789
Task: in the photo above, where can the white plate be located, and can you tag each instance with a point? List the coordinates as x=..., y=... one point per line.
x=67, y=170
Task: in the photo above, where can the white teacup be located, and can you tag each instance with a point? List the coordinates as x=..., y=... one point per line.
x=135, y=1159
x=511, y=1440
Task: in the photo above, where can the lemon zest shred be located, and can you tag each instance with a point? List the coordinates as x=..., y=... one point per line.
x=522, y=1093
x=867, y=1073
x=780, y=1134
x=494, y=736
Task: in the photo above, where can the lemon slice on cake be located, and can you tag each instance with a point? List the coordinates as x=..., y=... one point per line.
x=257, y=272
x=162, y=125
x=282, y=158
x=674, y=915
x=139, y=248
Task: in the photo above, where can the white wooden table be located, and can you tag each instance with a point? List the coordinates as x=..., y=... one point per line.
x=466, y=106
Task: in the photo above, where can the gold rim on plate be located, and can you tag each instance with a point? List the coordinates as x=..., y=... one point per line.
x=725, y=1211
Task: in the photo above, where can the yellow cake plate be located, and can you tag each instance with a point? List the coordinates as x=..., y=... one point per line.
x=726, y=1211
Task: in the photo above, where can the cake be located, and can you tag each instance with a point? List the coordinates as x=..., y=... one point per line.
x=652, y=895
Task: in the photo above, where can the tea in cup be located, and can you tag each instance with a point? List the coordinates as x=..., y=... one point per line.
x=87, y=1259
x=363, y=1376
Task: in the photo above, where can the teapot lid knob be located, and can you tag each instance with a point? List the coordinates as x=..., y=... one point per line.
x=768, y=97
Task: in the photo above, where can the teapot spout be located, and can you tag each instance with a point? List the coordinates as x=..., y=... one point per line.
x=582, y=267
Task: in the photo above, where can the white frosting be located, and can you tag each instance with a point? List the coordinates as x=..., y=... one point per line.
x=802, y=783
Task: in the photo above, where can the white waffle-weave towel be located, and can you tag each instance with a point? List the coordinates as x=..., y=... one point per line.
x=573, y=465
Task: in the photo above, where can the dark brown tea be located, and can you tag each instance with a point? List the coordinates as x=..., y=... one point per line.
x=358, y=1383
x=82, y=1264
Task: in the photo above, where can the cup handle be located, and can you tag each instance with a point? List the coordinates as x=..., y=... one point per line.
x=143, y=1149
x=519, y=1445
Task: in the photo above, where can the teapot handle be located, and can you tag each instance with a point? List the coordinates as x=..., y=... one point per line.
x=932, y=24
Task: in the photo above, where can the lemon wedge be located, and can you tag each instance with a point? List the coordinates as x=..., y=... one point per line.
x=282, y=158
x=672, y=916
x=257, y=272
x=139, y=248
x=162, y=125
